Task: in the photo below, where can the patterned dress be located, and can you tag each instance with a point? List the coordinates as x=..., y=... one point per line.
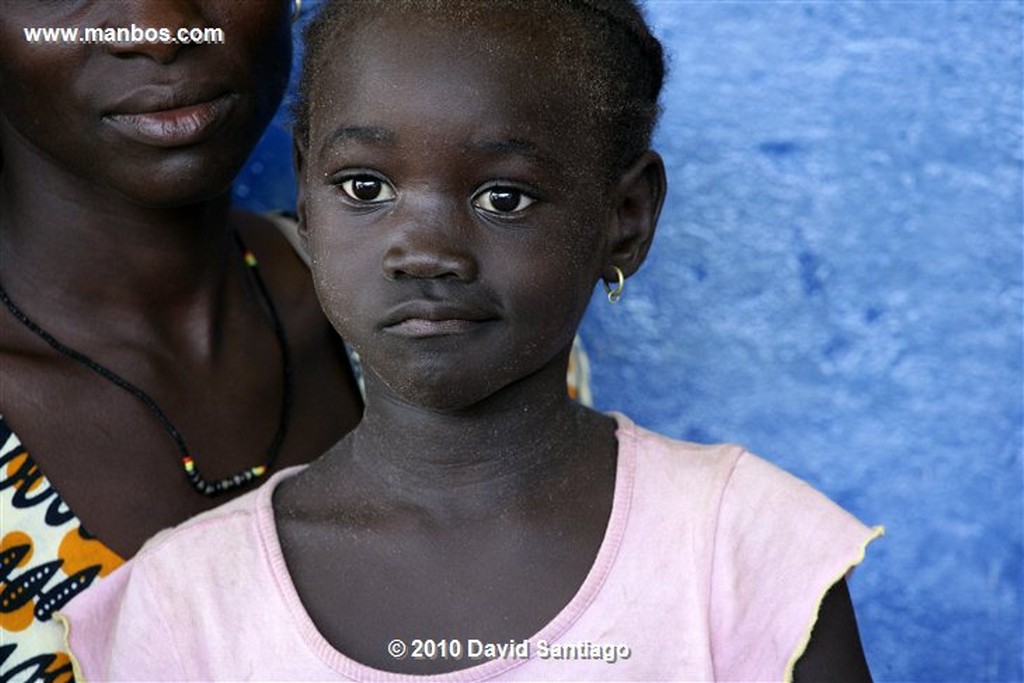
x=46, y=558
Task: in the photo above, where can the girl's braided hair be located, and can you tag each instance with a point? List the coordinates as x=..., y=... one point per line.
x=606, y=46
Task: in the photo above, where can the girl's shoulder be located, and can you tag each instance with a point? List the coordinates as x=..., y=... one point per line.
x=220, y=535
x=217, y=566
x=727, y=468
x=674, y=464
x=766, y=545
x=746, y=501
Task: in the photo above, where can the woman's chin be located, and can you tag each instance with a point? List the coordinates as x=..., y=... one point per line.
x=176, y=187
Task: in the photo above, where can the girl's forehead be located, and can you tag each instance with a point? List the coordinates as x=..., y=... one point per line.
x=511, y=46
x=490, y=69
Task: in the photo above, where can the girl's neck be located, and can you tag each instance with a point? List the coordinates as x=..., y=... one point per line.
x=479, y=459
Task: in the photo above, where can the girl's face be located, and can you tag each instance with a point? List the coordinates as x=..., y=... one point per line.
x=453, y=210
x=164, y=124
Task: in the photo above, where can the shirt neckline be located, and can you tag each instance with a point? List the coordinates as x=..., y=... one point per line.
x=625, y=473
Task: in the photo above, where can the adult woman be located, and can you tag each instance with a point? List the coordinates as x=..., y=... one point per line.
x=148, y=358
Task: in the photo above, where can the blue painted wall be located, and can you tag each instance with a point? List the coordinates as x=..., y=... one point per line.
x=836, y=284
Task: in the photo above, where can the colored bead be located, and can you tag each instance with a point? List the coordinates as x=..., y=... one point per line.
x=250, y=259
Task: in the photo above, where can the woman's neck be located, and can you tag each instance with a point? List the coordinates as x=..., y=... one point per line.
x=68, y=249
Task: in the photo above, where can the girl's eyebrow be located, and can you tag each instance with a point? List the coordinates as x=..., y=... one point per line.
x=514, y=147
x=378, y=135
x=345, y=135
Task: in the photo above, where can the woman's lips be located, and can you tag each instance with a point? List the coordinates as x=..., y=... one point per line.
x=175, y=127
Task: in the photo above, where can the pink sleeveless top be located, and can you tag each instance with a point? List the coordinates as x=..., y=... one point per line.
x=712, y=567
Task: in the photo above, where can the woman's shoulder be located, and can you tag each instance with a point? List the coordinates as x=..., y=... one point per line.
x=288, y=228
x=325, y=401
x=283, y=267
x=283, y=262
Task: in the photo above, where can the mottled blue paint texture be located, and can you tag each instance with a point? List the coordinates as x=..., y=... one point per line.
x=836, y=283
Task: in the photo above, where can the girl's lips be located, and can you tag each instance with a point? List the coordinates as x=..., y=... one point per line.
x=422, y=327
x=175, y=127
x=424, y=318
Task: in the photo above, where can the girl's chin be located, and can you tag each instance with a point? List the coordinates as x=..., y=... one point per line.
x=434, y=393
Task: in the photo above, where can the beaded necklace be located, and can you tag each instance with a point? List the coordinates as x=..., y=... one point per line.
x=209, y=488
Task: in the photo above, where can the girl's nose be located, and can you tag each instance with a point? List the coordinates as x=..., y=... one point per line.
x=430, y=249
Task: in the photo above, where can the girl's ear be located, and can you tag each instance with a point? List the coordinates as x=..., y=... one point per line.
x=299, y=161
x=638, y=196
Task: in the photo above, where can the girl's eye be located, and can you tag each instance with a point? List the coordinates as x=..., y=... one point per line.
x=502, y=200
x=367, y=189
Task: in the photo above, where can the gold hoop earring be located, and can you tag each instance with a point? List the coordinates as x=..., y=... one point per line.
x=297, y=10
x=615, y=294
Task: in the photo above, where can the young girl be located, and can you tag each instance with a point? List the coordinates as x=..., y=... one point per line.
x=469, y=171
